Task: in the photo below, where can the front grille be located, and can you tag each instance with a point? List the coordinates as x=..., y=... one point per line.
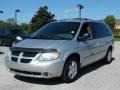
x=25, y=72
x=29, y=54
x=14, y=59
x=25, y=60
x=24, y=57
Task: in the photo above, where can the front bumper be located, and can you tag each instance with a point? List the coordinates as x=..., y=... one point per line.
x=41, y=69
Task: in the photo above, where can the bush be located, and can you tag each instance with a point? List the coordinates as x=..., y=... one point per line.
x=117, y=38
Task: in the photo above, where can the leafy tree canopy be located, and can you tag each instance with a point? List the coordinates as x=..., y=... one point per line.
x=11, y=21
x=42, y=17
x=110, y=20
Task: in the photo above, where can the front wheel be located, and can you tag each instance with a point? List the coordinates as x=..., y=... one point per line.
x=70, y=71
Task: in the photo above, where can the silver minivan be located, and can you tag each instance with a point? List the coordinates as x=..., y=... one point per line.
x=60, y=49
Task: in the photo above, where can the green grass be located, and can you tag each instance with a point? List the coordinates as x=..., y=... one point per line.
x=117, y=38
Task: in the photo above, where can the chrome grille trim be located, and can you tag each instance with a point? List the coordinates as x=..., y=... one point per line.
x=20, y=58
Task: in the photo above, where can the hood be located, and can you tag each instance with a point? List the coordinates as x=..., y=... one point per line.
x=39, y=43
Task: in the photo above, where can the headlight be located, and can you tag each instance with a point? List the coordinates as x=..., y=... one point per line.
x=48, y=56
x=19, y=38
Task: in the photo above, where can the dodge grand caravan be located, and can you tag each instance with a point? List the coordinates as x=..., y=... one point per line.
x=60, y=49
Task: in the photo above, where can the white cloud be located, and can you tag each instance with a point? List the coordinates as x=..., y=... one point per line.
x=70, y=10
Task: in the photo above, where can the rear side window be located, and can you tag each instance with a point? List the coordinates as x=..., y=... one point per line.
x=16, y=32
x=100, y=30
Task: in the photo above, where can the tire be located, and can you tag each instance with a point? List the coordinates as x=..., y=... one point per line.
x=108, y=57
x=11, y=43
x=71, y=70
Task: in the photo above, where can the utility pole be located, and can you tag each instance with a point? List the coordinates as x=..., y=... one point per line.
x=80, y=8
x=16, y=11
x=1, y=12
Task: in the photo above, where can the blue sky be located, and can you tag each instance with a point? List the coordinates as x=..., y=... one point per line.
x=93, y=9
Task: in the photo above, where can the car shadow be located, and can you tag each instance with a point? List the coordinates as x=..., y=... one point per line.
x=51, y=81
x=92, y=67
x=56, y=81
x=1, y=52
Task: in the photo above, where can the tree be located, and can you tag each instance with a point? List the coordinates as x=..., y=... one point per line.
x=2, y=24
x=8, y=24
x=11, y=21
x=24, y=26
x=110, y=20
x=42, y=17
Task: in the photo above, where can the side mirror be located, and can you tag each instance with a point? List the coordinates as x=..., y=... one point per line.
x=84, y=37
x=19, y=38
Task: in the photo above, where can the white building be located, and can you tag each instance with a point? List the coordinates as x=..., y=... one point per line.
x=117, y=26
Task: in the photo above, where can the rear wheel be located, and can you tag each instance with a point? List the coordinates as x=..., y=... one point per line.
x=108, y=57
x=71, y=69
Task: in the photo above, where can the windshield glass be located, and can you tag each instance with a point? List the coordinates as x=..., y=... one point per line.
x=16, y=32
x=58, y=30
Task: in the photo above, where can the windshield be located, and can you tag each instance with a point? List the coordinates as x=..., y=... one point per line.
x=58, y=30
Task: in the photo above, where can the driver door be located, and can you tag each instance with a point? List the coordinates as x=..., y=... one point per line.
x=87, y=44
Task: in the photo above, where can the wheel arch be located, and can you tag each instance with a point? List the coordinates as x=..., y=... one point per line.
x=69, y=56
x=110, y=48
